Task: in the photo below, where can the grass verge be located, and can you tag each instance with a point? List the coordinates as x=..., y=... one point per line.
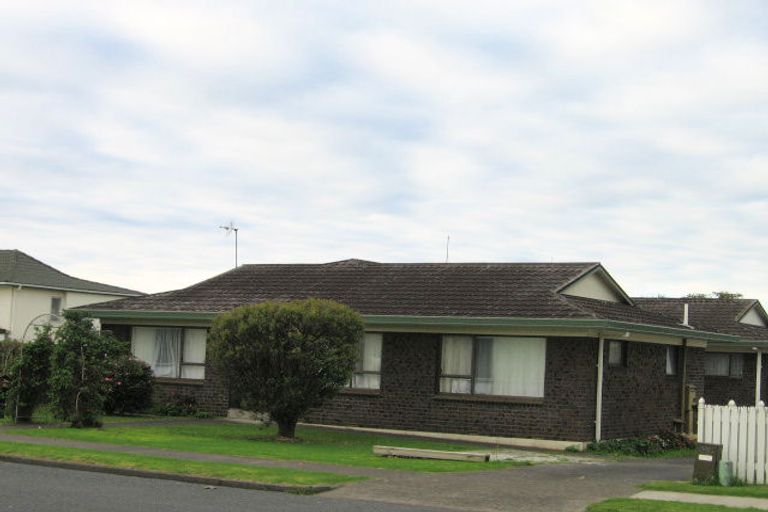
x=630, y=505
x=747, y=491
x=240, y=472
x=314, y=444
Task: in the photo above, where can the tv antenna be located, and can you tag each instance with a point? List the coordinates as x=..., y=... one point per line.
x=230, y=229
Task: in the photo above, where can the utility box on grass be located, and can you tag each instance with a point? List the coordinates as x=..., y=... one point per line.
x=705, y=469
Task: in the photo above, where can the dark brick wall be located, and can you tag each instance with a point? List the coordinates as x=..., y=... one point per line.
x=719, y=390
x=695, y=360
x=408, y=397
x=640, y=399
x=695, y=378
x=210, y=394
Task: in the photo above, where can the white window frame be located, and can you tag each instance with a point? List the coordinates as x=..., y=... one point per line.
x=360, y=373
x=472, y=377
x=182, y=364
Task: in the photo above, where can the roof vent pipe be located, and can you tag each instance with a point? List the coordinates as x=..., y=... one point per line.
x=685, y=314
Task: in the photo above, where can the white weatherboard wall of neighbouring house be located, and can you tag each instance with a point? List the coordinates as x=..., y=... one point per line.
x=5, y=308
x=21, y=305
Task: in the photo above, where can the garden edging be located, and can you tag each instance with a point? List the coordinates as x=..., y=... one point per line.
x=202, y=480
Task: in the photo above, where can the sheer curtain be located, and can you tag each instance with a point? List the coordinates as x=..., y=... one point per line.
x=737, y=365
x=369, y=360
x=717, y=364
x=456, y=360
x=143, y=344
x=517, y=367
x=165, y=362
x=194, y=352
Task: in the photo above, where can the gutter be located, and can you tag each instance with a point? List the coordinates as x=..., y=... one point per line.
x=442, y=322
x=116, y=294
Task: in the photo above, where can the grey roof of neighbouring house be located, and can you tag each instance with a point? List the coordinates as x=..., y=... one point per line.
x=17, y=267
x=715, y=315
x=523, y=290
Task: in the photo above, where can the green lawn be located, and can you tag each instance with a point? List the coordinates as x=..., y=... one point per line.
x=629, y=505
x=241, y=472
x=316, y=445
x=748, y=491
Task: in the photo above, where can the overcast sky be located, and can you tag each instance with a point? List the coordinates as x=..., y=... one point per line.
x=631, y=133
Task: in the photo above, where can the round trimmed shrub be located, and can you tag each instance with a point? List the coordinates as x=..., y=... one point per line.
x=128, y=387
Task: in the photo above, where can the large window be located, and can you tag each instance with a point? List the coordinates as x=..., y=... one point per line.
x=367, y=374
x=172, y=352
x=493, y=365
x=724, y=365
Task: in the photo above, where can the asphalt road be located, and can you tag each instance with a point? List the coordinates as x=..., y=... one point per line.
x=27, y=488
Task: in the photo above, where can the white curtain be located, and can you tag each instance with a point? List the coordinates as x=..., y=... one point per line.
x=737, y=365
x=194, y=345
x=143, y=344
x=717, y=364
x=165, y=362
x=671, y=360
x=517, y=367
x=456, y=360
x=369, y=360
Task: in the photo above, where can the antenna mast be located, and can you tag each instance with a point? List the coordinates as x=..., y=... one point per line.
x=447, y=247
x=229, y=229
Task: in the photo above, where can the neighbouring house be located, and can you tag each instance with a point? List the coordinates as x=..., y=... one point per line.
x=733, y=371
x=552, y=351
x=33, y=293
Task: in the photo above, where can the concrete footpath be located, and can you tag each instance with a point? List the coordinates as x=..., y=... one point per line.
x=704, y=499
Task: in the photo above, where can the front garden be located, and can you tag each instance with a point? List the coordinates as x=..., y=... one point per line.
x=313, y=444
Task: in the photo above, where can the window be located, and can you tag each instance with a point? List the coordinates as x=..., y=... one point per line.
x=367, y=374
x=724, y=365
x=617, y=353
x=493, y=365
x=172, y=352
x=673, y=356
x=56, y=306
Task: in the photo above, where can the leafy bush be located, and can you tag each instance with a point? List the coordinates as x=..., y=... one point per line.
x=286, y=357
x=647, y=446
x=178, y=405
x=9, y=353
x=129, y=386
x=80, y=365
x=28, y=376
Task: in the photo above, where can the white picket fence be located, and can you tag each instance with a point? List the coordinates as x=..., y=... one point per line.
x=742, y=431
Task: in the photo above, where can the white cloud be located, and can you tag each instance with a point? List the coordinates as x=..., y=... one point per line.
x=631, y=133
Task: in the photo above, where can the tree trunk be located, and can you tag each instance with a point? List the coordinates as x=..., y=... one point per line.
x=286, y=428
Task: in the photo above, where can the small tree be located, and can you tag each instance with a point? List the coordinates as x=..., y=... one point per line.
x=284, y=358
x=80, y=366
x=28, y=376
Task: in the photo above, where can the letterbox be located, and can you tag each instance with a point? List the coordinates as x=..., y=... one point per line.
x=707, y=460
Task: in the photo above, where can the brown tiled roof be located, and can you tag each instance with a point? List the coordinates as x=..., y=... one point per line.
x=524, y=290
x=716, y=315
x=20, y=268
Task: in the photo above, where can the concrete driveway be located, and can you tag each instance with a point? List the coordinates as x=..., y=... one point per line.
x=550, y=487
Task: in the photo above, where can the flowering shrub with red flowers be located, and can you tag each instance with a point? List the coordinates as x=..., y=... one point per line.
x=128, y=386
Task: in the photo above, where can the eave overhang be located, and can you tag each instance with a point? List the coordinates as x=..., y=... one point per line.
x=443, y=323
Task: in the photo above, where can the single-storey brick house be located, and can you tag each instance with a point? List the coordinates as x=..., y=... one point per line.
x=554, y=351
x=733, y=371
